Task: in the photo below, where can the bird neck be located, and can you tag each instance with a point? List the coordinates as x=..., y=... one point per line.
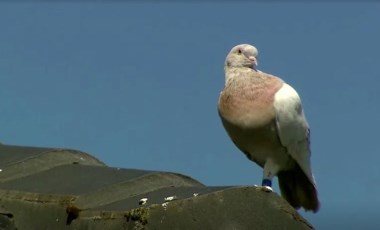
x=233, y=73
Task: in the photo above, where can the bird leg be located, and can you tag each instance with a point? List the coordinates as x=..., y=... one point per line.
x=270, y=170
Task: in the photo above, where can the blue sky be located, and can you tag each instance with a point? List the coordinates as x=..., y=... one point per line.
x=136, y=85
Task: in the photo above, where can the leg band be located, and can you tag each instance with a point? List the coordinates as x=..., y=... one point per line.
x=267, y=182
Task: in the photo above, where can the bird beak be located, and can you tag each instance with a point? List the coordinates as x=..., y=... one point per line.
x=253, y=60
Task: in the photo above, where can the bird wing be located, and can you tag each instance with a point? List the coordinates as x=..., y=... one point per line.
x=292, y=127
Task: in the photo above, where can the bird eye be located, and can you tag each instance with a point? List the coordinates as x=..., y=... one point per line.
x=239, y=51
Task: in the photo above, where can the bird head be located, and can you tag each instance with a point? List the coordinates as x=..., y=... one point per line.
x=243, y=55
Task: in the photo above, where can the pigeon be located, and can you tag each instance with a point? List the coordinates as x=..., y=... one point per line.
x=264, y=118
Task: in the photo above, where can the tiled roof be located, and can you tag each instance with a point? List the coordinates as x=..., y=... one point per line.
x=47, y=188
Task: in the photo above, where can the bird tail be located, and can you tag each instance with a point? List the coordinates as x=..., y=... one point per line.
x=298, y=190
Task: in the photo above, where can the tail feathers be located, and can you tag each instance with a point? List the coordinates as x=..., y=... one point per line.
x=298, y=190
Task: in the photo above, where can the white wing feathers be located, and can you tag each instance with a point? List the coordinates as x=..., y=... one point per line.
x=292, y=127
